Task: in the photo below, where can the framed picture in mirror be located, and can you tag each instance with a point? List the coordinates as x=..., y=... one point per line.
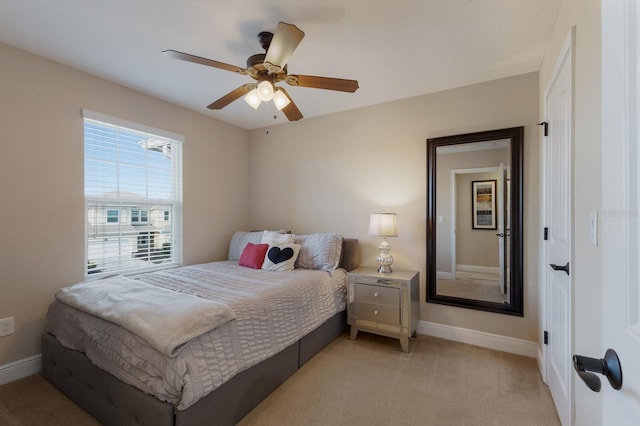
x=483, y=202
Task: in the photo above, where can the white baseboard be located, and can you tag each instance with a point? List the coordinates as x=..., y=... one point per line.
x=542, y=365
x=494, y=270
x=20, y=369
x=444, y=275
x=479, y=338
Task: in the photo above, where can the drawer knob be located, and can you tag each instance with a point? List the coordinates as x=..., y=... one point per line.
x=376, y=294
x=376, y=312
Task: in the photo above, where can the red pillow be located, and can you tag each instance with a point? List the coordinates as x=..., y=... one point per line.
x=253, y=255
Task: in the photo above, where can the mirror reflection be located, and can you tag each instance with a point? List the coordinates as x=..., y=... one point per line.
x=471, y=229
x=470, y=238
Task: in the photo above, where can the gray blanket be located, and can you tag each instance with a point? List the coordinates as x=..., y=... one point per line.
x=166, y=319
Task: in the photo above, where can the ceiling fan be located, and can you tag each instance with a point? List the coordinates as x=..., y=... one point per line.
x=268, y=69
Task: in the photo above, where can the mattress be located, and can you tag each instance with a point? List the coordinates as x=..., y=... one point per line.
x=272, y=311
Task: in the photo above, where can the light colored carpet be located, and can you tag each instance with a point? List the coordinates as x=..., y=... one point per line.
x=470, y=286
x=34, y=401
x=368, y=381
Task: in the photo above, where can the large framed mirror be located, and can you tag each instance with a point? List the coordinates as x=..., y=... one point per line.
x=474, y=220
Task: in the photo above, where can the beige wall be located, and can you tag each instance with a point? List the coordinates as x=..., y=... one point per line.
x=41, y=182
x=585, y=16
x=329, y=173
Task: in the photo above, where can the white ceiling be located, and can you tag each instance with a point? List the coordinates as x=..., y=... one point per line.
x=395, y=49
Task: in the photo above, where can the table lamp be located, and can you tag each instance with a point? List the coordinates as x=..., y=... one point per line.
x=384, y=225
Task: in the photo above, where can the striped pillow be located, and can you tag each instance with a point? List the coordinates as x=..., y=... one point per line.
x=239, y=241
x=319, y=251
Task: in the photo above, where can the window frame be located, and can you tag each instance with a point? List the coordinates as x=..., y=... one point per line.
x=143, y=204
x=117, y=216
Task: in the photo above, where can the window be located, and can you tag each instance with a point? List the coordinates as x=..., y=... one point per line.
x=139, y=216
x=133, y=196
x=112, y=216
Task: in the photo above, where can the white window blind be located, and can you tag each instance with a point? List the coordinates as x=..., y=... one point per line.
x=133, y=196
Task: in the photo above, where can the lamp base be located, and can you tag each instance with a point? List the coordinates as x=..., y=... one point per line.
x=384, y=269
x=384, y=258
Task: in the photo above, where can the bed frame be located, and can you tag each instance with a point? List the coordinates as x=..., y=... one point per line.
x=114, y=402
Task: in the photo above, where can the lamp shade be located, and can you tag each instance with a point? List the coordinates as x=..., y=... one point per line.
x=265, y=91
x=253, y=99
x=384, y=225
x=280, y=99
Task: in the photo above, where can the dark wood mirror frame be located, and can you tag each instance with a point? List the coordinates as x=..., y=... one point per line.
x=516, y=137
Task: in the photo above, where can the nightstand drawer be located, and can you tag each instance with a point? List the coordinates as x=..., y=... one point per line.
x=378, y=313
x=363, y=279
x=378, y=294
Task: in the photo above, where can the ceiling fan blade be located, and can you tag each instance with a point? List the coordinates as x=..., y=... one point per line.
x=203, y=61
x=291, y=111
x=232, y=96
x=285, y=40
x=327, y=83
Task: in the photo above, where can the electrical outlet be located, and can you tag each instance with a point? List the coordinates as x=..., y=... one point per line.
x=6, y=326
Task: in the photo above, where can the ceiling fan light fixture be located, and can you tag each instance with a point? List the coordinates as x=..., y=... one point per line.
x=267, y=69
x=265, y=90
x=280, y=99
x=253, y=99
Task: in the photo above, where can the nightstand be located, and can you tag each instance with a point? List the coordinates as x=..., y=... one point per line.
x=385, y=304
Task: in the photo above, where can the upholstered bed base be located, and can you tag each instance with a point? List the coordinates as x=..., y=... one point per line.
x=113, y=402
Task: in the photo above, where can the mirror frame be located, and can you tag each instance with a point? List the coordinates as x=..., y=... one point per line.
x=516, y=137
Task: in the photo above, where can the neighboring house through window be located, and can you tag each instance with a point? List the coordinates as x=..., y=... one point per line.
x=133, y=195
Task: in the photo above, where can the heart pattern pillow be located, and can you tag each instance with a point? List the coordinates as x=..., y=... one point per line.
x=281, y=257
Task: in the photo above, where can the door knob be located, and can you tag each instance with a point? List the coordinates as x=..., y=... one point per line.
x=560, y=268
x=608, y=366
x=500, y=234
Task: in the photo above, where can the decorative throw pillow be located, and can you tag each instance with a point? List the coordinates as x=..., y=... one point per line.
x=281, y=257
x=253, y=255
x=276, y=237
x=319, y=251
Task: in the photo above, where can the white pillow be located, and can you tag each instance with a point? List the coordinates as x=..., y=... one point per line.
x=319, y=251
x=281, y=257
x=276, y=237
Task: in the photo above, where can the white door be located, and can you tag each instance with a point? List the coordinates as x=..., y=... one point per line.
x=501, y=226
x=557, y=250
x=620, y=215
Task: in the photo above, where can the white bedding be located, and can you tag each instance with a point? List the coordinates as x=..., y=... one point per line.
x=272, y=309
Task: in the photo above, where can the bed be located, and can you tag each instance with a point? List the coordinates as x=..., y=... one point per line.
x=230, y=368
